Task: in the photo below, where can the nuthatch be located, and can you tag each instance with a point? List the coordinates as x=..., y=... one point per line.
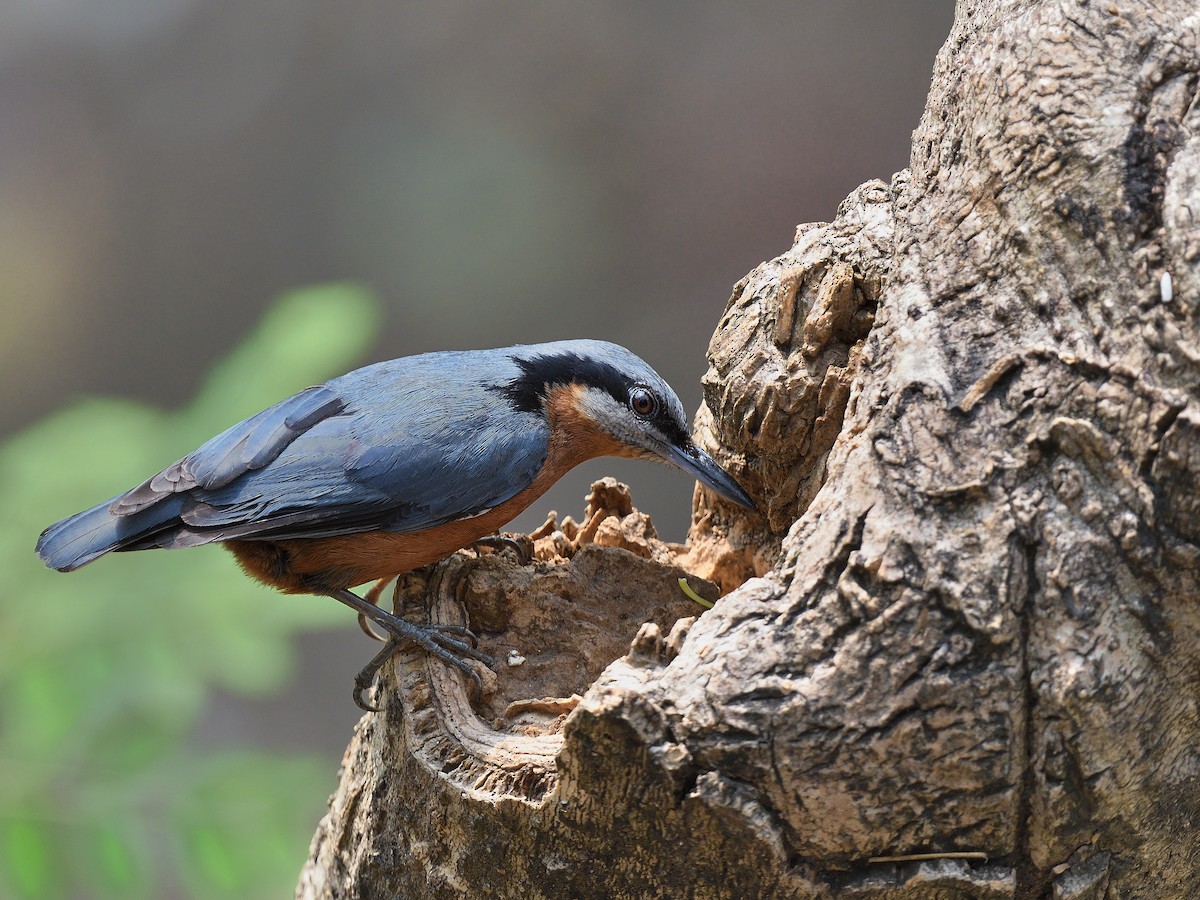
x=394, y=466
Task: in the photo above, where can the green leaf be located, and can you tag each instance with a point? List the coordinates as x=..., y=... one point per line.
x=25, y=849
x=110, y=860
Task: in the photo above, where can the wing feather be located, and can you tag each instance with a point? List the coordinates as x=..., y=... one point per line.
x=247, y=446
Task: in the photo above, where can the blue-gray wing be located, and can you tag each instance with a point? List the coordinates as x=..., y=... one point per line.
x=151, y=514
x=393, y=467
x=245, y=447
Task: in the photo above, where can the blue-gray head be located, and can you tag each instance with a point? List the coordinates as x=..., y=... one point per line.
x=619, y=396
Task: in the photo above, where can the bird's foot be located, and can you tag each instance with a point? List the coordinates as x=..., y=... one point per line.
x=519, y=545
x=453, y=644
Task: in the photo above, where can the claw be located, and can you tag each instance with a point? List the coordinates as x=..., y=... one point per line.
x=365, y=679
x=361, y=703
x=360, y=688
x=368, y=629
x=372, y=597
x=461, y=630
x=476, y=684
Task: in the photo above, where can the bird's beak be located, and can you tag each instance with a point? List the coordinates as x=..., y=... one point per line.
x=704, y=469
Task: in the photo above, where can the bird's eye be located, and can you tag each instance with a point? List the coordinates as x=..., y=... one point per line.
x=642, y=401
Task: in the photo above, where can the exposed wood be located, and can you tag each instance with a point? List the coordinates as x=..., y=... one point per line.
x=966, y=662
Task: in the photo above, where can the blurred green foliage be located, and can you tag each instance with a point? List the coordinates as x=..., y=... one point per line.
x=105, y=673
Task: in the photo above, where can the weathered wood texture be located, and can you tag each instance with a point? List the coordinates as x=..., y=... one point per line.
x=970, y=407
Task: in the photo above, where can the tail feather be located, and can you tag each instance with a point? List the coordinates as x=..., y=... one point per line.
x=77, y=540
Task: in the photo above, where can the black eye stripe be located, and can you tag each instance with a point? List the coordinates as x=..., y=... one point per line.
x=539, y=373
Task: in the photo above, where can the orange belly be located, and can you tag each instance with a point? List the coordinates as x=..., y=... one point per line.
x=315, y=565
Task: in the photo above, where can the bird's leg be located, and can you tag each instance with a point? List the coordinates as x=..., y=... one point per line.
x=372, y=597
x=366, y=676
x=453, y=644
x=497, y=542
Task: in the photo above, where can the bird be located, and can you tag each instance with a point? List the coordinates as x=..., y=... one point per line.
x=395, y=466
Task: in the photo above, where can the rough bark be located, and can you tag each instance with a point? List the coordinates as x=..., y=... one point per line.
x=969, y=407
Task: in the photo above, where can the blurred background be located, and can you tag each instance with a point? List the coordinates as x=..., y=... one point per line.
x=206, y=205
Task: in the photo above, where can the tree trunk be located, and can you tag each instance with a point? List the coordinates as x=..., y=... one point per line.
x=970, y=410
